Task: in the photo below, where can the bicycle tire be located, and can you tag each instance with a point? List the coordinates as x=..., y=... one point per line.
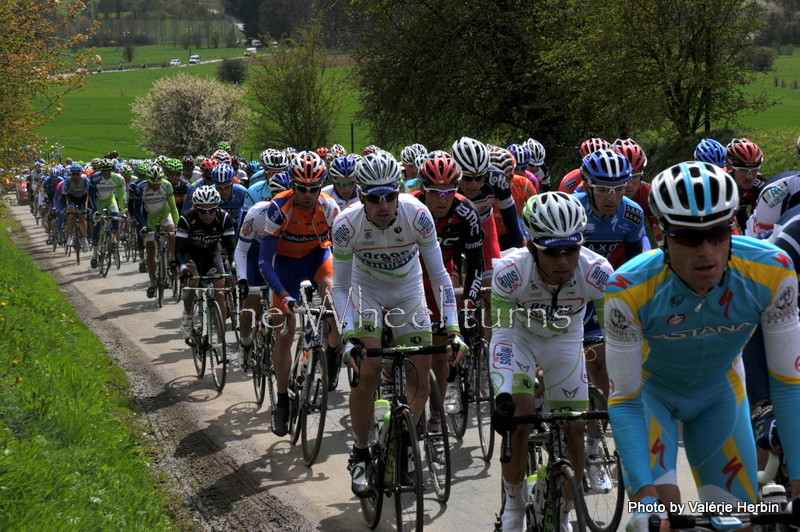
x=104, y=254
x=54, y=234
x=483, y=396
x=175, y=285
x=217, y=349
x=439, y=473
x=296, y=390
x=566, y=477
x=459, y=422
x=314, y=406
x=269, y=372
x=161, y=274
x=115, y=254
x=408, y=498
x=258, y=357
x=371, y=507
x=198, y=349
x=233, y=312
x=604, y=510
x=77, y=244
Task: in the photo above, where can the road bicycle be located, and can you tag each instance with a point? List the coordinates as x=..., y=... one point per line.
x=395, y=452
x=232, y=300
x=208, y=330
x=547, y=457
x=75, y=243
x=107, y=250
x=261, y=354
x=436, y=445
x=128, y=239
x=165, y=276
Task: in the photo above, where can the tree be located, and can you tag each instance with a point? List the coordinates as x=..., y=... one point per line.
x=128, y=52
x=297, y=92
x=36, y=69
x=186, y=114
x=232, y=71
x=279, y=18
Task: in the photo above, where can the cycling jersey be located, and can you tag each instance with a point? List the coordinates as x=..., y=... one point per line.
x=521, y=189
x=179, y=189
x=258, y=177
x=155, y=207
x=75, y=188
x=459, y=231
x=248, y=247
x=383, y=269
x=190, y=192
x=330, y=190
x=412, y=185
x=571, y=181
x=776, y=197
x=748, y=198
x=603, y=235
x=539, y=324
x=234, y=204
x=257, y=193
x=197, y=241
x=107, y=193
x=674, y=355
x=292, y=232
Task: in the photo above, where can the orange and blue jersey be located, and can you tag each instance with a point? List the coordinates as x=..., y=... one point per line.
x=673, y=354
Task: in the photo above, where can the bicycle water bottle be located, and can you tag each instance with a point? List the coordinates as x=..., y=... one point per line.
x=531, y=484
x=381, y=409
x=774, y=495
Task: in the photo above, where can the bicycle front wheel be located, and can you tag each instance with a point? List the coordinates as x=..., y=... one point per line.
x=231, y=301
x=296, y=391
x=197, y=341
x=371, y=506
x=407, y=483
x=437, y=446
x=483, y=396
x=104, y=253
x=458, y=422
x=314, y=404
x=565, y=482
x=603, y=503
x=115, y=254
x=215, y=343
x=161, y=275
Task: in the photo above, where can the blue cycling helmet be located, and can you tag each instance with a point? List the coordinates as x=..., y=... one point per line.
x=342, y=167
x=222, y=175
x=521, y=154
x=605, y=167
x=74, y=168
x=710, y=151
x=280, y=182
x=255, y=166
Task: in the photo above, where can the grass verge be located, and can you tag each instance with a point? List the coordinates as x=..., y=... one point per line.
x=69, y=459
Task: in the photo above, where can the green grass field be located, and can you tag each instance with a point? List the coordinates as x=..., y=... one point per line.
x=157, y=55
x=787, y=113
x=97, y=120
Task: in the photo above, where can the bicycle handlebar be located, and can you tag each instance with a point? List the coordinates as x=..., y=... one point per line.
x=400, y=351
x=728, y=522
x=526, y=419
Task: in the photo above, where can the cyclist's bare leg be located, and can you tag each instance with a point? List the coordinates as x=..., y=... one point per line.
x=362, y=403
x=596, y=366
x=171, y=243
x=441, y=368
x=576, y=451
x=189, y=300
x=418, y=370
x=70, y=220
x=283, y=350
x=246, y=317
x=82, y=220
x=150, y=254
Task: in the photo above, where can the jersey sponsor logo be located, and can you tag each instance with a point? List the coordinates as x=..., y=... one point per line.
x=658, y=449
x=633, y=214
x=501, y=358
x=732, y=469
x=343, y=233
x=598, y=277
x=275, y=214
x=702, y=331
x=618, y=319
x=620, y=282
x=470, y=217
x=602, y=248
x=523, y=368
x=676, y=301
x=569, y=393
x=423, y=222
x=797, y=363
x=676, y=319
x=725, y=301
x=247, y=228
x=291, y=237
x=508, y=278
x=388, y=261
x=786, y=299
x=774, y=195
x=785, y=261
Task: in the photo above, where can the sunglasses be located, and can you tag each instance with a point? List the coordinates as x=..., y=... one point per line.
x=691, y=238
x=471, y=178
x=748, y=171
x=441, y=193
x=636, y=175
x=212, y=210
x=307, y=190
x=556, y=252
x=607, y=191
x=376, y=198
x=344, y=184
x=75, y=173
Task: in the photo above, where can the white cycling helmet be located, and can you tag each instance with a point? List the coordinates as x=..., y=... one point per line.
x=471, y=155
x=273, y=160
x=377, y=169
x=537, y=151
x=693, y=194
x=554, y=218
x=206, y=195
x=410, y=153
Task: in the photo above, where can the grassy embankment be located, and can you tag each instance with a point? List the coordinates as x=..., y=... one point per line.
x=70, y=459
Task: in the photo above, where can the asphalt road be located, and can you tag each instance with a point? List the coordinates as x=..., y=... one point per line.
x=232, y=420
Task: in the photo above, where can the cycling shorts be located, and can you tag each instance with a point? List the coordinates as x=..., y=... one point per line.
x=292, y=271
x=75, y=201
x=207, y=263
x=166, y=222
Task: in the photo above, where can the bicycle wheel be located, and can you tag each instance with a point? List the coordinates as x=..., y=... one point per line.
x=161, y=276
x=54, y=235
x=296, y=391
x=458, y=423
x=438, y=465
x=407, y=482
x=215, y=343
x=269, y=370
x=483, y=396
x=175, y=285
x=197, y=344
x=104, y=253
x=115, y=253
x=603, y=509
x=565, y=477
x=371, y=506
x=258, y=357
x=314, y=404
x=233, y=311
x=77, y=244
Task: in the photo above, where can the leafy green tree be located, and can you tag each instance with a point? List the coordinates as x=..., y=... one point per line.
x=187, y=114
x=297, y=92
x=232, y=71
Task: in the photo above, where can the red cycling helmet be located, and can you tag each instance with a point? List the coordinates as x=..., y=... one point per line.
x=441, y=169
x=207, y=166
x=744, y=152
x=323, y=152
x=592, y=145
x=631, y=149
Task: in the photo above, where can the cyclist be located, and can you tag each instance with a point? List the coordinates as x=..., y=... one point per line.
x=710, y=151
x=200, y=231
x=189, y=173
x=75, y=190
x=106, y=192
x=413, y=184
x=343, y=189
x=206, y=169
x=48, y=189
x=458, y=231
x=678, y=319
x=522, y=156
x=294, y=247
x=376, y=250
x=779, y=194
x=231, y=194
x=522, y=188
x=573, y=180
x=743, y=161
x=154, y=206
x=536, y=165
x=408, y=159
x=173, y=169
x=273, y=161
x=637, y=190
x=554, y=276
